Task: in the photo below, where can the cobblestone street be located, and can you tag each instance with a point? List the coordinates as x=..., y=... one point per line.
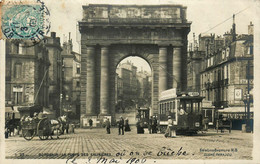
x=91, y=142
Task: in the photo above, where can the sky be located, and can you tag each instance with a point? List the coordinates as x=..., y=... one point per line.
x=207, y=16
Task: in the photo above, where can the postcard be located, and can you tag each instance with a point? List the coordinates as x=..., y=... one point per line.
x=127, y=81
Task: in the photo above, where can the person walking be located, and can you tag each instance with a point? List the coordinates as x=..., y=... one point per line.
x=150, y=124
x=90, y=121
x=154, y=126
x=108, y=125
x=121, y=126
x=127, y=126
x=170, y=131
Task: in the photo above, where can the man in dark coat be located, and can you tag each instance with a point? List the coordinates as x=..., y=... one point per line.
x=150, y=124
x=154, y=127
x=90, y=121
x=121, y=126
x=107, y=123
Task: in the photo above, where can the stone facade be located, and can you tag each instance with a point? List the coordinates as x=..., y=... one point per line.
x=27, y=82
x=71, y=80
x=52, y=43
x=224, y=72
x=110, y=33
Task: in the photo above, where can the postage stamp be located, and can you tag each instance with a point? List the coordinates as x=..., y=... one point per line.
x=24, y=20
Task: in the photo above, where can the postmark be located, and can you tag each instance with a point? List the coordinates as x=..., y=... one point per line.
x=25, y=20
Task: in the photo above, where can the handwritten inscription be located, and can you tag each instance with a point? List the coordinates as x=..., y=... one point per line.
x=135, y=157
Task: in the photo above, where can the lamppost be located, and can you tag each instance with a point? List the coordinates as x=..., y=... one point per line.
x=248, y=99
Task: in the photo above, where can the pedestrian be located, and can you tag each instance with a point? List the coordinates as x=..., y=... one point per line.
x=121, y=126
x=107, y=123
x=90, y=121
x=170, y=131
x=150, y=124
x=154, y=125
x=127, y=127
x=140, y=129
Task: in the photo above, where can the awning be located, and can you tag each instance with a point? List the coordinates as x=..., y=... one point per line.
x=235, y=110
x=35, y=108
x=14, y=111
x=9, y=109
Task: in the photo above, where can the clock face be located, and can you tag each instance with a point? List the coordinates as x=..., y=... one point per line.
x=238, y=93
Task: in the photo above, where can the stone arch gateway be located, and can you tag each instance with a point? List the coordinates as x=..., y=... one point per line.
x=109, y=33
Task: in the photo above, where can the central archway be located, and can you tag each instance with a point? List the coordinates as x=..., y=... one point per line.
x=110, y=33
x=132, y=87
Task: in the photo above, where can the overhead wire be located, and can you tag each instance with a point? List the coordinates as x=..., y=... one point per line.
x=239, y=12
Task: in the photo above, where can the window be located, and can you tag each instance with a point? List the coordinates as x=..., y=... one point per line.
x=78, y=69
x=225, y=72
x=227, y=52
x=20, y=49
x=18, y=70
x=211, y=60
x=250, y=50
x=223, y=54
x=78, y=84
x=17, y=97
x=78, y=97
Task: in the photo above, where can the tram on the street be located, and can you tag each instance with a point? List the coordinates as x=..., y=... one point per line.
x=142, y=115
x=185, y=111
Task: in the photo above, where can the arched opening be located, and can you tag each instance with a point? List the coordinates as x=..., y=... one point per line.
x=133, y=87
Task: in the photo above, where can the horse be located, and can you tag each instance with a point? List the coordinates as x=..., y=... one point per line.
x=65, y=124
x=55, y=125
x=59, y=125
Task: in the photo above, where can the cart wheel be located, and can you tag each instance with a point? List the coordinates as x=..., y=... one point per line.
x=28, y=134
x=43, y=129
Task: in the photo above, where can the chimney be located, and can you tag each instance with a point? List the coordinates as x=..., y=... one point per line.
x=234, y=29
x=53, y=34
x=251, y=29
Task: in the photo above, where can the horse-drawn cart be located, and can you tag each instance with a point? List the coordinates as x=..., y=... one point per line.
x=40, y=127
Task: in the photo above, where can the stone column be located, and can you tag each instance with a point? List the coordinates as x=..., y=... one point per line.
x=176, y=67
x=104, y=82
x=91, y=96
x=162, y=69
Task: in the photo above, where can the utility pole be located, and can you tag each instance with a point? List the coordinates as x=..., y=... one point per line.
x=248, y=127
x=61, y=78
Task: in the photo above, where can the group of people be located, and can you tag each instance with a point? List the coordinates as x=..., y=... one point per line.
x=123, y=125
x=153, y=125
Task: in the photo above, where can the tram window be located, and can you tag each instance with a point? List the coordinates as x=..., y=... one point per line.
x=195, y=106
x=171, y=106
x=188, y=107
x=163, y=110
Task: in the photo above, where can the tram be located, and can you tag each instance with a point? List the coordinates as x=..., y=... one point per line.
x=185, y=110
x=143, y=116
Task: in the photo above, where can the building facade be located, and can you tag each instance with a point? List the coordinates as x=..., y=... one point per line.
x=226, y=73
x=27, y=72
x=52, y=43
x=133, y=88
x=70, y=80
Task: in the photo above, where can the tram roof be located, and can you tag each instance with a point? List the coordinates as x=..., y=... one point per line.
x=184, y=98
